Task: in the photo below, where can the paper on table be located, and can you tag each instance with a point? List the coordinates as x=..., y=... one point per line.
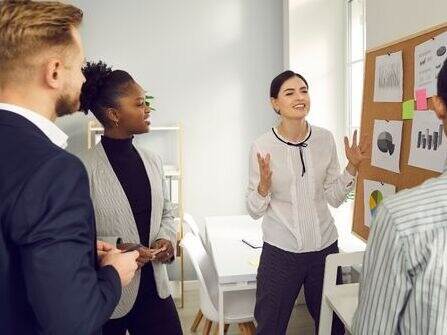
x=428, y=148
x=408, y=110
x=387, y=137
x=373, y=194
x=254, y=261
x=421, y=99
x=388, y=78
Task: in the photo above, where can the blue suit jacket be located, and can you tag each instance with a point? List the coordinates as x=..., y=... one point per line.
x=50, y=282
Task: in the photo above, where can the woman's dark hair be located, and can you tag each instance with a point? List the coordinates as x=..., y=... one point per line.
x=102, y=89
x=442, y=82
x=280, y=79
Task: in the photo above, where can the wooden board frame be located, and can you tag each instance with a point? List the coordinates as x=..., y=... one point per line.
x=409, y=176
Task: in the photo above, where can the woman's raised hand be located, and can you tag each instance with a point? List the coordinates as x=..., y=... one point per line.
x=355, y=153
x=265, y=181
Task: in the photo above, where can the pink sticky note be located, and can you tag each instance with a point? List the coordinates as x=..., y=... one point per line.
x=421, y=99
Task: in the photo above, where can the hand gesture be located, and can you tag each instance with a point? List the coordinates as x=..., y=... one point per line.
x=145, y=254
x=265, y=181
x=356, y=153
x=164, y=250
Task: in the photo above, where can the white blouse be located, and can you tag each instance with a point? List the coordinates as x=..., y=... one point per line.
x=296, y=213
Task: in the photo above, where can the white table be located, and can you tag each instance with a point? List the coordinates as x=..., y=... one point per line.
x=235, y=262
x=343, y=300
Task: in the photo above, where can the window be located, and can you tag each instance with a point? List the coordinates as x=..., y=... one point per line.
x=355, y=62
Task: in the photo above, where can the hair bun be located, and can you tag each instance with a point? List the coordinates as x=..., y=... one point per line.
x=95, y=77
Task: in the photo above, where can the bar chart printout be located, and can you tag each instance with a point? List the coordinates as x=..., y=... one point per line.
x=428, y=149
x=428, y=141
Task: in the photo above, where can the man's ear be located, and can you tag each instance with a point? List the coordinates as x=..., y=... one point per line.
x=440, y=107
x=52, y=74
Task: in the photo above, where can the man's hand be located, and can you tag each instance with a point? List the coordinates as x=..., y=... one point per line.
x=165, y=250
x=103, y=248
x=125, y=263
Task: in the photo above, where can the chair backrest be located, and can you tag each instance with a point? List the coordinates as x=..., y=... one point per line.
x=333, y=261
x=189, y=221
x=203, y=265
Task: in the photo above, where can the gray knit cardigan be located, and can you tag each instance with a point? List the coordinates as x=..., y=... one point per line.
x=114, y=218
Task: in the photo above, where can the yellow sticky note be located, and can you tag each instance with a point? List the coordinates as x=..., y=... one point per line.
x=408, y=110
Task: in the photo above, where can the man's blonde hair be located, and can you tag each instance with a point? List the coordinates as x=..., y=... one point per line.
x=27, y=28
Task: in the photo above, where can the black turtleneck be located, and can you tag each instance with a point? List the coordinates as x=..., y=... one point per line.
x=131, y=173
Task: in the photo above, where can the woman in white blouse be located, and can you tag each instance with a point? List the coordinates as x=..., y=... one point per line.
x=294, y=175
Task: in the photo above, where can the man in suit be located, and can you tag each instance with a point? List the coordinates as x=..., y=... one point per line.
x=51, y=279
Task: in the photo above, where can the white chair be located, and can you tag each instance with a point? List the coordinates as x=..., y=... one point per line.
x=238, y=305
x=191, y=224
x=343, y=298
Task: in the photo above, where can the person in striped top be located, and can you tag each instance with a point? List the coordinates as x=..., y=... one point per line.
x=403, y=285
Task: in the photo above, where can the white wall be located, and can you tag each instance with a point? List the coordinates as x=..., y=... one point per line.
x=316, y=49
x=389, y=20
x=209, y=64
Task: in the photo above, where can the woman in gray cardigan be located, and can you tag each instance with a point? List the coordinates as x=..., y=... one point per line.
x=127, y=189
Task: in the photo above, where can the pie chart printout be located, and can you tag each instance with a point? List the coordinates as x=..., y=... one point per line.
x=375, y=199
x=385, y=142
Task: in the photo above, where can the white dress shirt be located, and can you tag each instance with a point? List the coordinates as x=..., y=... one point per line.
x=403, y=286
x=53, y=132
x=296, y=213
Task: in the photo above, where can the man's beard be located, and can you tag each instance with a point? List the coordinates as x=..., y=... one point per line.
x=66, y=106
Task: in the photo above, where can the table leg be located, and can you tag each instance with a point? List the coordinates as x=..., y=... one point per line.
x=221, y=311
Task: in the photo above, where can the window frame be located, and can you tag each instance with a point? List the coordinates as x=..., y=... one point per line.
x=350, y=63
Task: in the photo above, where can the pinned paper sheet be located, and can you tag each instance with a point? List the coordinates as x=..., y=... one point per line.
x=428, y=149
x=388, y=78
x=440, y=51
x=421, y=99
x=424, y=74
x=428, y=59
x=408, y=110
x=387, y=137
x=374, y=193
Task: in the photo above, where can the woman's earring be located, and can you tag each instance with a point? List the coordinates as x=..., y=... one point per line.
x=277, y=111
x=116, y=123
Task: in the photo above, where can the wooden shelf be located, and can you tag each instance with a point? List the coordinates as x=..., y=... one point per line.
x=170, y=172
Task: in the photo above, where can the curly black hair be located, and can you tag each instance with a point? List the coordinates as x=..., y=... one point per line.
x=102, y=89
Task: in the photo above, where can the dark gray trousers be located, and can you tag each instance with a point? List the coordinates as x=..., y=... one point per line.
x=280, y=277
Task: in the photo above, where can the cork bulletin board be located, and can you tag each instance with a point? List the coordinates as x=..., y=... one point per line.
x=408, y=176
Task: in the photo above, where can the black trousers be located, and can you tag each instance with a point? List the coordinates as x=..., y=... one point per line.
x=150, y=315
x=280, y=277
